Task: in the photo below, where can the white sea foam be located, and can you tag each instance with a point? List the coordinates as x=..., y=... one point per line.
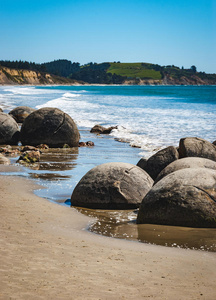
x=148, y=122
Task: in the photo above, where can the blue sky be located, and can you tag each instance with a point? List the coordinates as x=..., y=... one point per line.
x=165, y=32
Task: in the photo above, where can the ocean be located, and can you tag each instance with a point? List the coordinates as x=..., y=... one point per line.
x=149, y=118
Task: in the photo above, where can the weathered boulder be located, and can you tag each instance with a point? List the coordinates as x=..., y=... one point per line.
x=1, y=110
x=9, y=130
x=4, y=160
x=30, y=157
x=20, y=113
x=193, y=146
x=49, y=126
x=214, y=143
x=184, y=163
x=157, y=162
x=185, y=197
x=112, y=186
x=102, y=130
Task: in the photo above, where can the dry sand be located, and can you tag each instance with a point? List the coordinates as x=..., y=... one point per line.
x=46, y=254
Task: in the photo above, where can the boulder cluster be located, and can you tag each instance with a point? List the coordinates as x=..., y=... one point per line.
x=50, y=126
x=175, y=186
x=44, y=128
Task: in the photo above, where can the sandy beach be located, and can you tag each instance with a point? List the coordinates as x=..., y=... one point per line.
x=46, y=253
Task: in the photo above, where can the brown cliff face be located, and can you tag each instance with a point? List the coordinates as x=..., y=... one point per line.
x=20, y=77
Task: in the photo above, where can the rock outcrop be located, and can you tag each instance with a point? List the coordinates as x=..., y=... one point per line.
x=19, y=77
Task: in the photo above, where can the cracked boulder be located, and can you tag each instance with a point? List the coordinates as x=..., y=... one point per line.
x=9, y=130
x=193, y=146
x=20, y=113
x=49, y=126
x=112, y=186
x=185, y=197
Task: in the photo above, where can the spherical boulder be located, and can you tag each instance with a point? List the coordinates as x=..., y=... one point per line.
x=112, y=186
x=20, y=113
x=184, y=163
x=185, y=197
x=193, y=146
x=49, y=126
x=9, y=130
x=157, y=162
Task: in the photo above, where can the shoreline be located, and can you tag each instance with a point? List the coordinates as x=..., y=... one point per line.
x=98, y=84
x=46, y=252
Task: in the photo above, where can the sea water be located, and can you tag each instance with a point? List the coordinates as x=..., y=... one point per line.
x=149, y=118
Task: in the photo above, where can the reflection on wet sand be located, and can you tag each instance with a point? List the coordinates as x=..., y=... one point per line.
x=122, y=224
x=55, y=160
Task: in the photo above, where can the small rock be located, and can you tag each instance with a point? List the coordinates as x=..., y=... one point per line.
x=82, y=144
x=102, y=130
x=4, y=160
x=30, y=157
x=29, y=148
x=90, y=144
x=42, y=146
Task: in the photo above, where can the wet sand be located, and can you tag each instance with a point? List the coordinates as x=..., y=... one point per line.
x=47, y=254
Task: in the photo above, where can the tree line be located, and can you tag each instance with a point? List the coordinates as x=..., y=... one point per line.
x=98, y=73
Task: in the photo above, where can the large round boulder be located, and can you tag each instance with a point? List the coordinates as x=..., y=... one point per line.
x=193, y=146
x=20, y=113
x=49, y=126
x=9, y=130
x=157, y=162
x=186, y=197
x=184, y=163
x=112, y=186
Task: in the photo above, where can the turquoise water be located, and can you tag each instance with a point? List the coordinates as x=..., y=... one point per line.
x=148, y=117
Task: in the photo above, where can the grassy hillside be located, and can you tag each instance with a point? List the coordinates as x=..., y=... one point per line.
x=134, y=70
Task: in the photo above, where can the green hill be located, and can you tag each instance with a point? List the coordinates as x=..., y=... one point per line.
x=134, y=70
x=104, y=73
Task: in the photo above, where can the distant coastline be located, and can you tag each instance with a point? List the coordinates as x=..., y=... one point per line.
x=64, y=72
